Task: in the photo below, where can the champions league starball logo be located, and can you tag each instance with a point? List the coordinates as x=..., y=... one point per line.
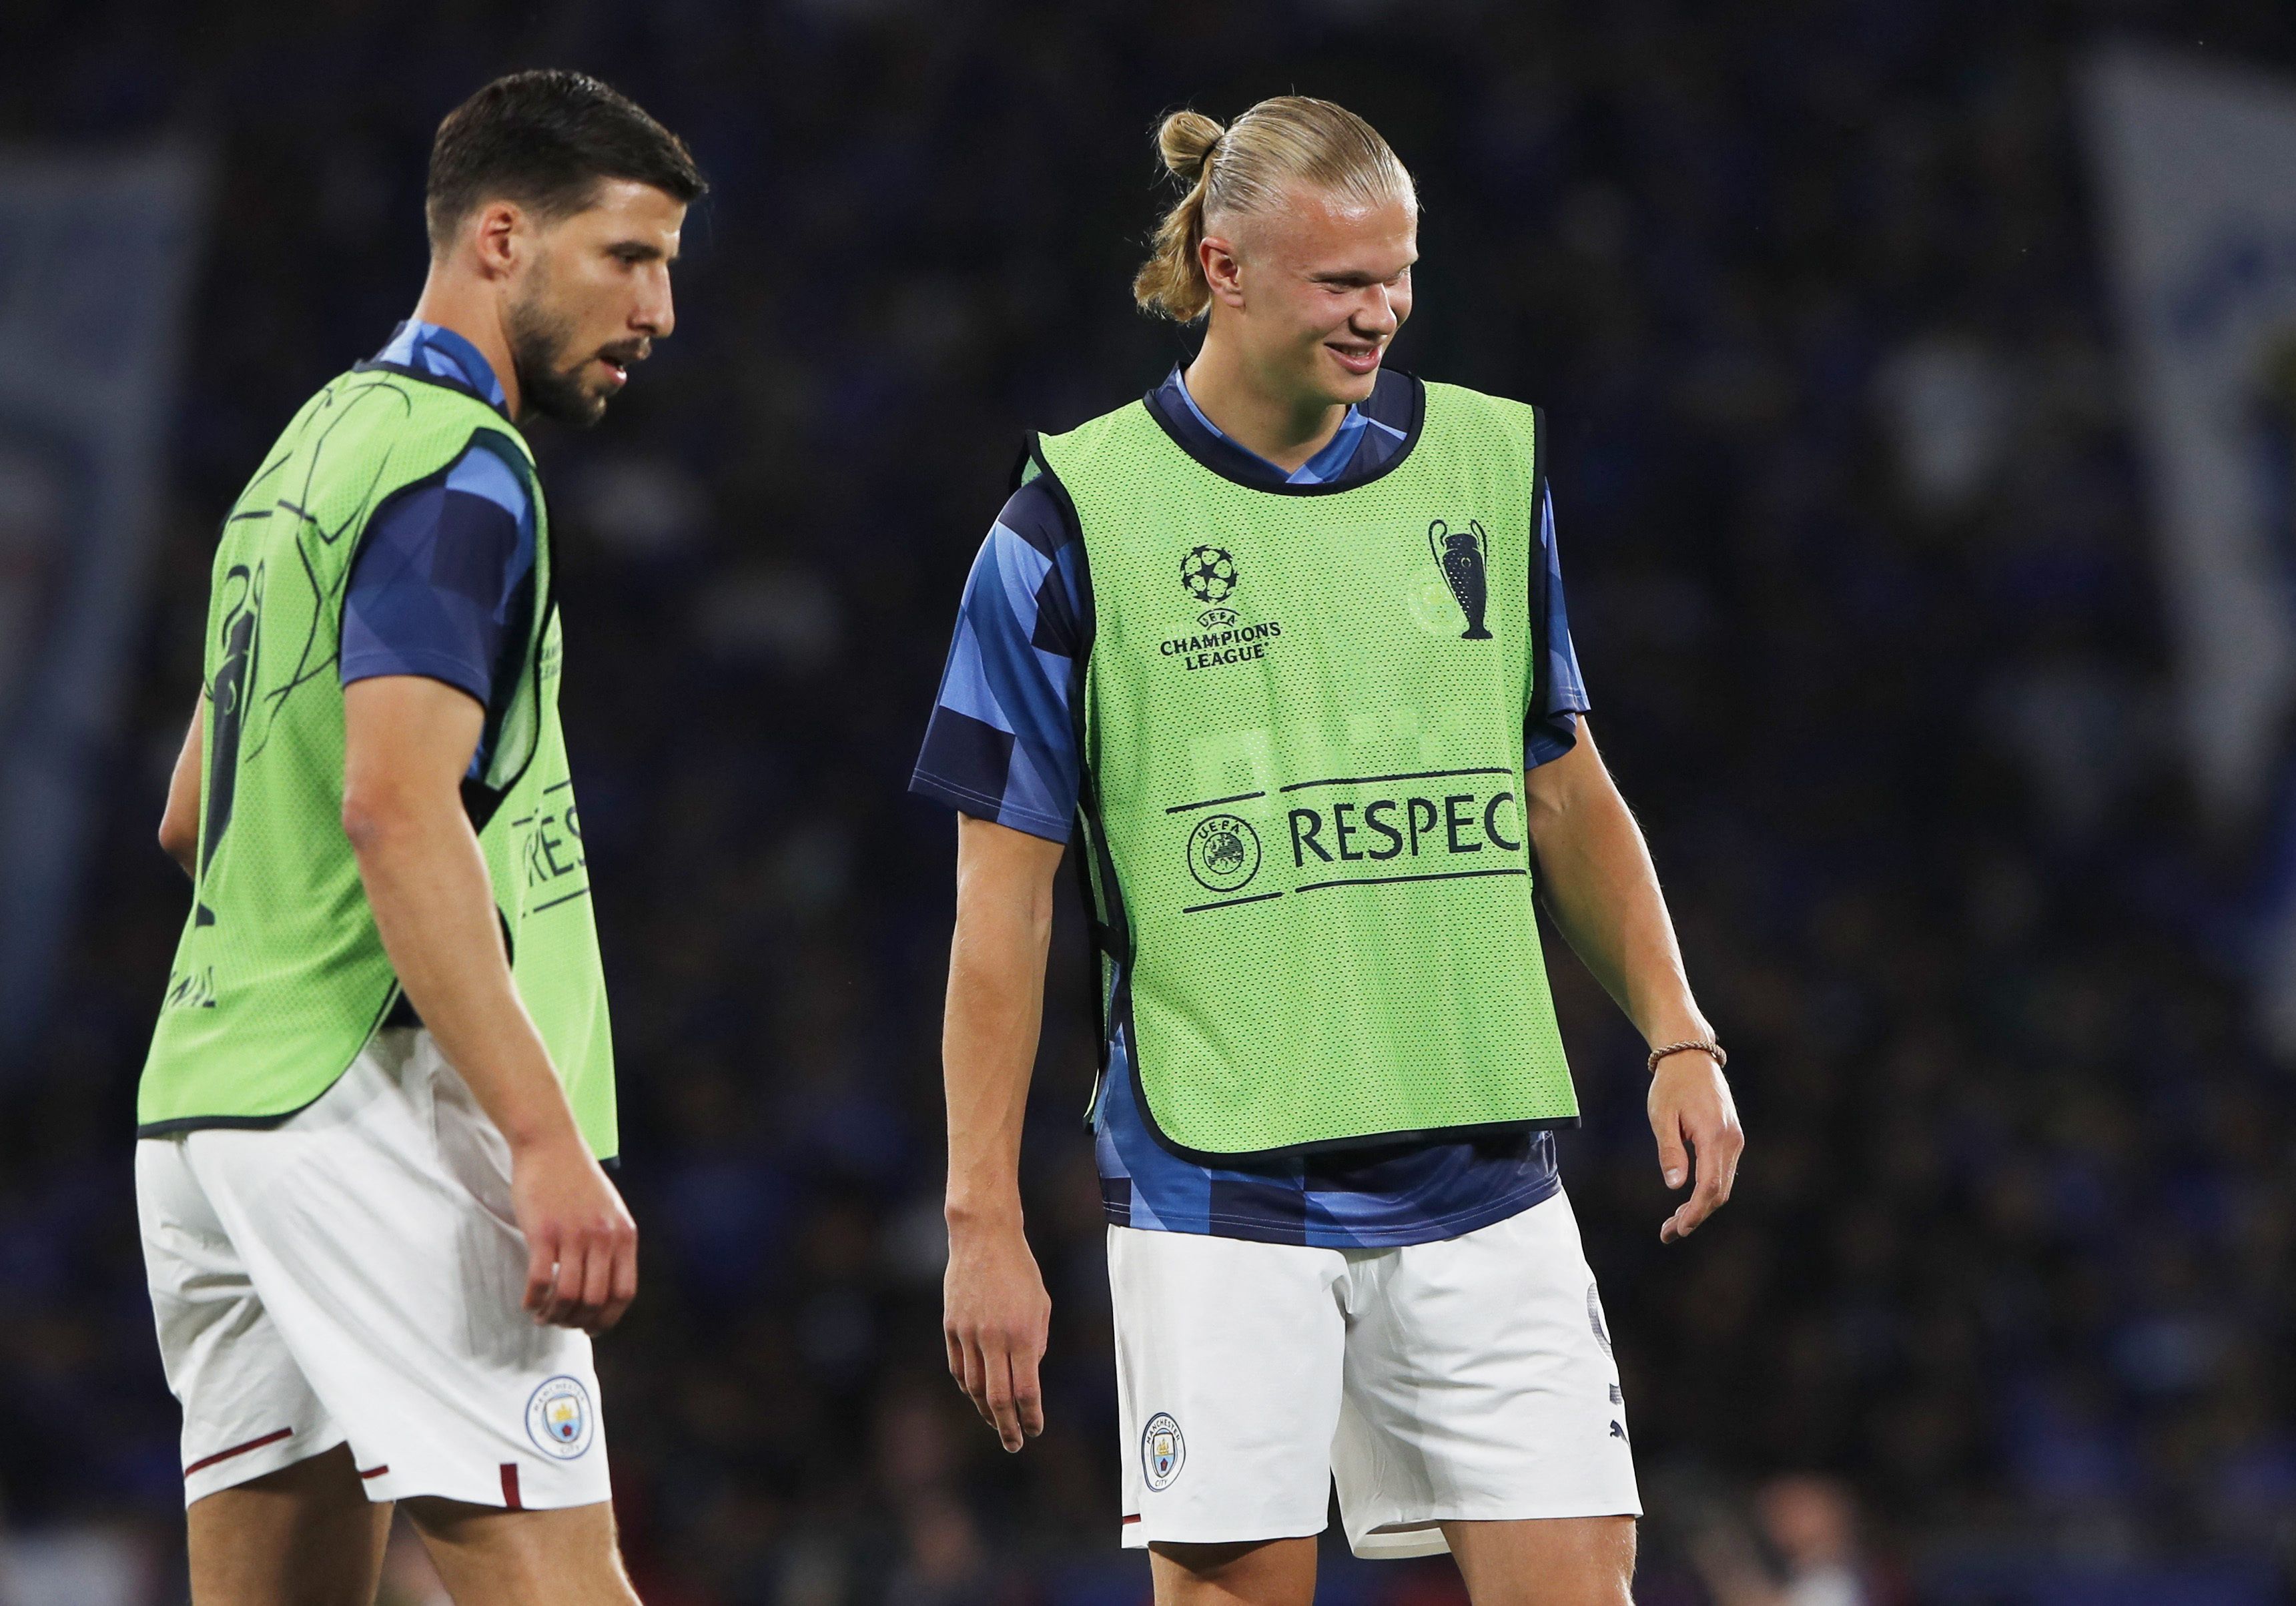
x=1209, y=573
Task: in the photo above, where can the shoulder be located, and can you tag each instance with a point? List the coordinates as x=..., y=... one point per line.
x=1114, y=430
x=493, y=468
x=1038, y=515
x=1519, y=421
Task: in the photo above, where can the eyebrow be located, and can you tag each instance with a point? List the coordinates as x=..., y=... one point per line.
x=1361, y=278
x=639, y=250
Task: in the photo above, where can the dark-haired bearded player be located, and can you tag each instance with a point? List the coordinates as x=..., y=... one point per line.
x=381, y=1083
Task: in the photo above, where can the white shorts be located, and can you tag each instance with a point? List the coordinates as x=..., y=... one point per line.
x=353, y=1275
x=1469, y=1379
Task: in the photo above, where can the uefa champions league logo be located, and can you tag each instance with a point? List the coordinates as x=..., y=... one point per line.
x=1208, y=572
x=1463, y=557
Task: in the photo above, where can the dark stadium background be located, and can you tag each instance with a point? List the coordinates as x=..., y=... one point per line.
x=2010, y=1265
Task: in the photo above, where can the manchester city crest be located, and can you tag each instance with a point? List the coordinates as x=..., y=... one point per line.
x=1162, y=1451
x=559, y=1418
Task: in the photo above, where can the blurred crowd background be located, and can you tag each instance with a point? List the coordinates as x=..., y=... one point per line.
x=1862, y=578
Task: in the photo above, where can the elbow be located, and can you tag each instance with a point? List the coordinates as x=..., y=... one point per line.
x=179, y=839
x=371, y=819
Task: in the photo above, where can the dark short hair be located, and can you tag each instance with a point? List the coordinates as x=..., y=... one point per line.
x=546, y=140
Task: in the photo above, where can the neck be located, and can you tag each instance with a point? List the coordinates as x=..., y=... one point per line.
x=475, y=313
x=1286, y=429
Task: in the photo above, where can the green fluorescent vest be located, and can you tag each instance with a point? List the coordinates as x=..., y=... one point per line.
x=280, y=976
x=1302, y=802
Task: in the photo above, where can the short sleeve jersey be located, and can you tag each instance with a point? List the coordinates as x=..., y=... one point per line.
x=443, y=586
x=1000, y=746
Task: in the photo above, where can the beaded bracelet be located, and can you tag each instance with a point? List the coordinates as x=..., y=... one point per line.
x=1707, y=1046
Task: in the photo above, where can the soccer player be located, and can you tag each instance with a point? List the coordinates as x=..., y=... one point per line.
x=1285, y=639
x=374, y=1222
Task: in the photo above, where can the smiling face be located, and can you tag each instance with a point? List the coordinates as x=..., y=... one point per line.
x=1312, y=293
x=590, y=298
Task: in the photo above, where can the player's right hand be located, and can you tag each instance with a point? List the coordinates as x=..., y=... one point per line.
x=996, y=1317
x=582, y=1246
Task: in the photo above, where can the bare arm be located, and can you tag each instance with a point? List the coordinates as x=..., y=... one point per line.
x=996, y=1314
x=179, y=824
x=1596, y=873
x=407, y=743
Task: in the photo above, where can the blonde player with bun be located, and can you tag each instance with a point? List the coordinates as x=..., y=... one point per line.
x=1281, y=647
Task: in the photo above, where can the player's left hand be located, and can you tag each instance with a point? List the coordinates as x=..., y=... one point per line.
x=1690, y=1105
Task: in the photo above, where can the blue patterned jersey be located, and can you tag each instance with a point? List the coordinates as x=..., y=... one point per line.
x=441, y=585
x=1001, y=746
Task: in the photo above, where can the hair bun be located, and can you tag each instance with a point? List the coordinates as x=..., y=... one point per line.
x=1185, y=140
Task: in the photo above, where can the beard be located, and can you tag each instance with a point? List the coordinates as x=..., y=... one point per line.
x=550, y=380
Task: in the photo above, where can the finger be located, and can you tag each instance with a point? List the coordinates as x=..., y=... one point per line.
x=1673, y=1161
x=955, y=1346
x=541, y=1270
x=1706, y=1197
x=597, y=1281
x=1729, y=1143
x=566, y=1290
x=625, y=1287
x=976, y=1378
x=1002, y=1410
x=1028, y=1391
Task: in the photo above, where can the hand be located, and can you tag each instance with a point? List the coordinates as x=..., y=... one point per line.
x=582, y=1246
x=1690, y=1104
x=994, y=1315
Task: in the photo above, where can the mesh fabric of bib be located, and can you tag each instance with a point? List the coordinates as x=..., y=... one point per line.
x=1302, y=730
x=280, y=976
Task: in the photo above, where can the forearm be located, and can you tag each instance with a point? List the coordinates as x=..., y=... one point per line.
x=988, y=1045
x=433, y=902
x=179, y=822
x=1601, y=890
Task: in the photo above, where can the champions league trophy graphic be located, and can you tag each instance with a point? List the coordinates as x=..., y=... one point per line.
x=1459, y=554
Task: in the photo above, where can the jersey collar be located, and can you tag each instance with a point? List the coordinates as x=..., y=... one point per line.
x=433, y=351
x=1393, y=414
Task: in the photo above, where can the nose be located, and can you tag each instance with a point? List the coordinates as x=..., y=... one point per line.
x=1376, y=316
x=657, y=311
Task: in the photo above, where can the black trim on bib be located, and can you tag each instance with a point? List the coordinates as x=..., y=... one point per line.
x=1109, y=933
x=1333, y=488
x=260, y=1123
x=370, y=365
x=1106, y=936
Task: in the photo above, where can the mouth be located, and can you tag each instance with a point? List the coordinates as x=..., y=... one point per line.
x=1359, y=360
x=617, y=361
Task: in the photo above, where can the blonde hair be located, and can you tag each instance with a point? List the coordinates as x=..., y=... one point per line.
x=1245, y=169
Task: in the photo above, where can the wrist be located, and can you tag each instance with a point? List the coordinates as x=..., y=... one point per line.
x=540, y=1130
x=985, y=1210
x=1704, y=1049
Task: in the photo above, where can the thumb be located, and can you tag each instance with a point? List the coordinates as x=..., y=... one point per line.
x=1673, y=1158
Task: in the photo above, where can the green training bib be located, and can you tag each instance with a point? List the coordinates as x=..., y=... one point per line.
x=1303, y=736
x=280, y=977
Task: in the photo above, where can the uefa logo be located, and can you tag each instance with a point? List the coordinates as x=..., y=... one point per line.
x=1223, y=853
x=559, y=1419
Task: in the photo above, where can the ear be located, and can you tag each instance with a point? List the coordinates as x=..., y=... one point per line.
x=498, y=236
x=1216, y=255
